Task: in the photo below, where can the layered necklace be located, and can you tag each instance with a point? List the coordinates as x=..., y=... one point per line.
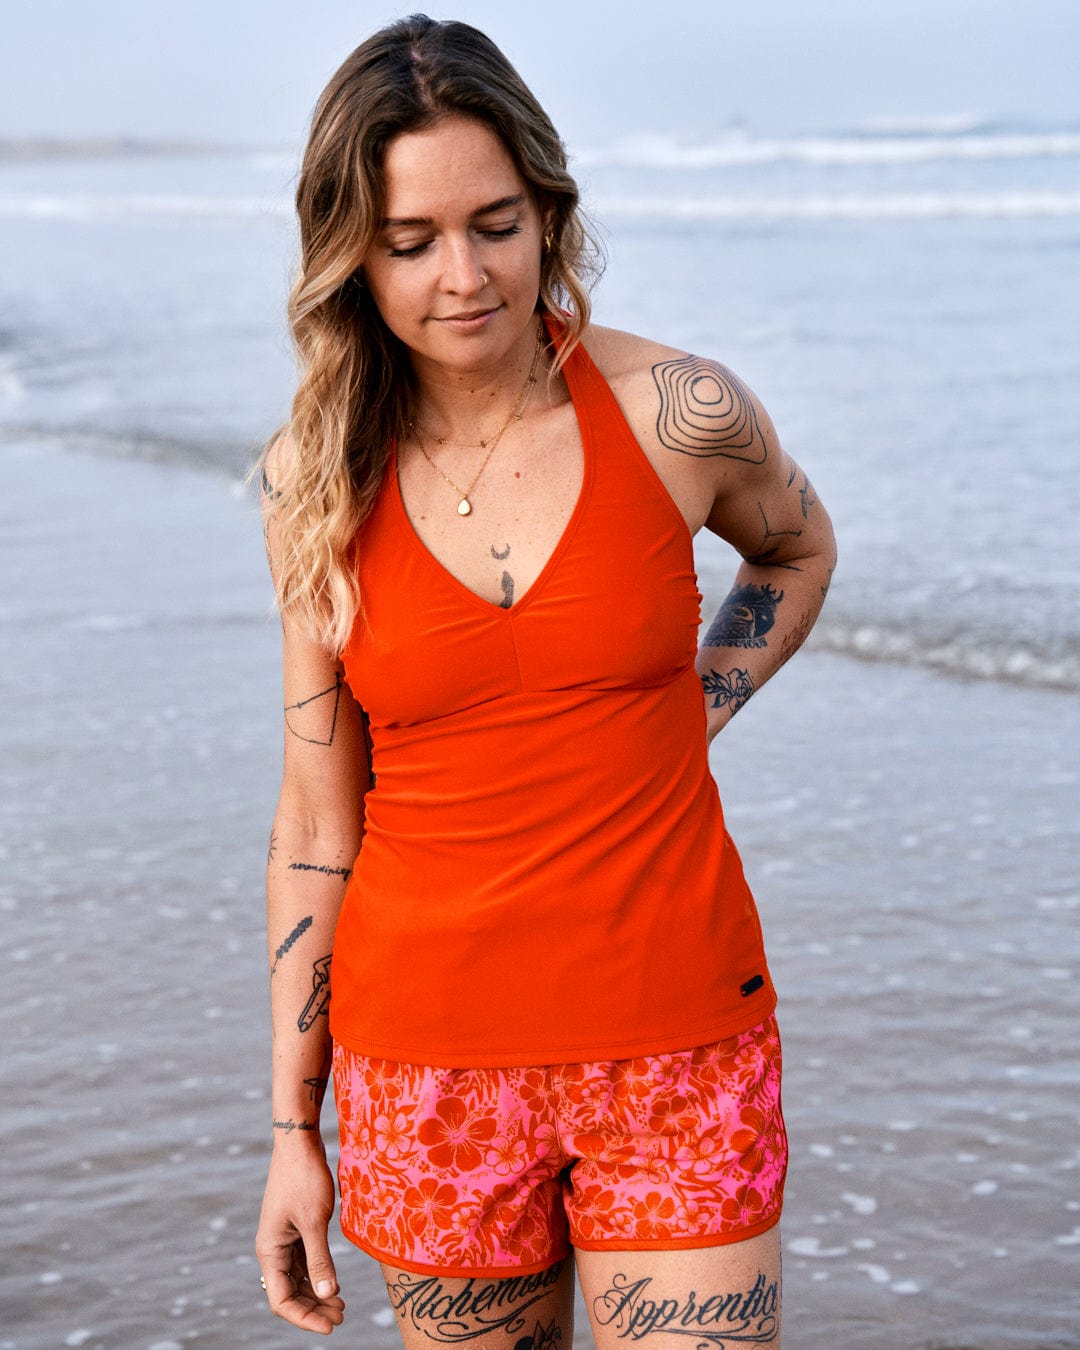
x=464, y=506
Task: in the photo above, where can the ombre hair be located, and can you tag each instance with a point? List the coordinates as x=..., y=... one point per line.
x=322, y=470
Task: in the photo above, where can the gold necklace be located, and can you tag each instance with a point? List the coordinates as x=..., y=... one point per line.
x=464, y=506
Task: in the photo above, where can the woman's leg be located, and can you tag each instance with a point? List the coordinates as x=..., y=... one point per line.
x=507, y=1312
x=726, y=1296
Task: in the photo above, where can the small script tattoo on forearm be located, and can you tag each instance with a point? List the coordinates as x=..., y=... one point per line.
x=450, y=1317
x=728, y=691
x=323, y=869
x=314, y=719
x=705, y=411
x=289, y=1125
x=744, y=618
x=318, y=1005
x=741, y=1317
x=297, y=933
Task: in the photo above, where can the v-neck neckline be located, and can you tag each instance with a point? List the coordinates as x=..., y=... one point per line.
x=574, y=386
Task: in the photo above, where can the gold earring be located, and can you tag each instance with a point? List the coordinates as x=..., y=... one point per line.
x=549, y=239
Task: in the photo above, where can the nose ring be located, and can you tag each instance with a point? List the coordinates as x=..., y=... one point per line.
x=483, y=281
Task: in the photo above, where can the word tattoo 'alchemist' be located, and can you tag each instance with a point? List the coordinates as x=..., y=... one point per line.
x=314, y=719
x=318, y=1005
x=728, y=691
x=739, y=1317
x=744, y=618
x=706, y=411
x=450, y=1317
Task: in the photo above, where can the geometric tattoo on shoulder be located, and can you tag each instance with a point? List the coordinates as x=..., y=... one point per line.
x=318, y=1005
x=744, y=618
x=314, y=719
x=706, y=412
x=728, y=691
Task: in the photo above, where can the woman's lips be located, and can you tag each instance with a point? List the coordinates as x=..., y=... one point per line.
x=470, y=321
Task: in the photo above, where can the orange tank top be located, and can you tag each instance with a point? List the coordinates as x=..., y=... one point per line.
x=545, y=875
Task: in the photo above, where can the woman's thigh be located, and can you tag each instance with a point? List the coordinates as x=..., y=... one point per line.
x=724, y=1296
x=512, y=1312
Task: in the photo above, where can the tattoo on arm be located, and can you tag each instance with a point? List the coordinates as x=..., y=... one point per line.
x=297, y=933
x=508, y=591
x=806, y=497
x=318, y=1005
x=268, y=488
x=724, y=1318
x=343, y=872
x=314, y=719
x=744, y=618
x=705, y=411
x=289, y=1125
x=271, y=848
x=795, y=638
x=728, y=691
x=317, y=1085
x=765, y=555
x=482, y=1306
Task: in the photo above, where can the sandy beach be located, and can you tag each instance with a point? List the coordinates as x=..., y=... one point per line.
x=911, y=839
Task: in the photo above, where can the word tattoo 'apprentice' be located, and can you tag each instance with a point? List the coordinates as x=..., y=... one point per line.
x=741, y=1317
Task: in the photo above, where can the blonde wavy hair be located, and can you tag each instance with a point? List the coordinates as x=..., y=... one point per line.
x=322, y=470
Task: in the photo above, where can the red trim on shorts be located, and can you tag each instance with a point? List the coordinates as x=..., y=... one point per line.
x=681, y=1244
x=454, y=1272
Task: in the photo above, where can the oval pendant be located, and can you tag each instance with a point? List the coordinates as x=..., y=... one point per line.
x=464, y=508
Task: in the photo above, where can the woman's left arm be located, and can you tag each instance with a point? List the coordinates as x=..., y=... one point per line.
x=720, y=457
x=764, y=505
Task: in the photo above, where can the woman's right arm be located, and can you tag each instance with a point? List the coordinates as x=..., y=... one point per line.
x=314, y=841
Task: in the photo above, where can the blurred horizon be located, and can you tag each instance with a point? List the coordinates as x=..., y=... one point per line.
x=247, y=74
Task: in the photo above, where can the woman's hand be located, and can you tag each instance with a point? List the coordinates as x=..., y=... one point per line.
x=291, y=1244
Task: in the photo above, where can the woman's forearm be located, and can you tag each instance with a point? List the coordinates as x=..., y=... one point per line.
x=307, y=869
x=763, y=621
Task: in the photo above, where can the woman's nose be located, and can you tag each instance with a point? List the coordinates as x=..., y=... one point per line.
x=462, y=274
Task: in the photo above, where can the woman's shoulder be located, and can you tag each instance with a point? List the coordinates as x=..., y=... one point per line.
x=625, y=357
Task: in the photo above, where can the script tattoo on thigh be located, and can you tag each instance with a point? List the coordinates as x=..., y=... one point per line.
x=741, y=1317
x=450, y=1316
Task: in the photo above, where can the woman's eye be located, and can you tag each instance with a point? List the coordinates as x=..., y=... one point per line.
x=502, y=233
x=413, y=251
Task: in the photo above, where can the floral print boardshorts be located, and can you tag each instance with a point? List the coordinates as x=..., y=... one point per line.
x=470, y=1172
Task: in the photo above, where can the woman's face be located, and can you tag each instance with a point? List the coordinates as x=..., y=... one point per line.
x=457, y=211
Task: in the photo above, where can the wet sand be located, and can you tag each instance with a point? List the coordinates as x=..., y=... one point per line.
x=912, y=840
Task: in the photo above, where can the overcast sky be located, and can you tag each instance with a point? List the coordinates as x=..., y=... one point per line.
x=249, y=70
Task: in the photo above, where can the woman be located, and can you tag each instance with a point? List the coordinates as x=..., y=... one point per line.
x=552, y=1018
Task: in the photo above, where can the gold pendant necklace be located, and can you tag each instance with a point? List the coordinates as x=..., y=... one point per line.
x=464, y=506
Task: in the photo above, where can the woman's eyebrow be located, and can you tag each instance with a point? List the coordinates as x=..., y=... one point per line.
x=501, y=204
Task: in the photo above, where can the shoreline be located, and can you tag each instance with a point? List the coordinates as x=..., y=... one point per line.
x=909, y=837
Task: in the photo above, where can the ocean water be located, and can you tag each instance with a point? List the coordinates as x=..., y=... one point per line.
x=905, y=301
